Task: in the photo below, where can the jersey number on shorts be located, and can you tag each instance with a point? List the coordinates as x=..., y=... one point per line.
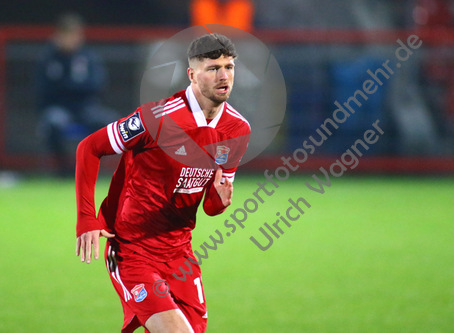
x=199, y=289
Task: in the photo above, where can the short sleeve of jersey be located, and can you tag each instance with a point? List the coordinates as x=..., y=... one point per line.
x=129, y=133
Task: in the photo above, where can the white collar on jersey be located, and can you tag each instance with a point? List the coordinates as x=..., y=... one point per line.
x=199, y=116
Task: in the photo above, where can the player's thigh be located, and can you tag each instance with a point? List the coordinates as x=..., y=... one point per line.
x=187, y=292
x=138, y=285
x=171, y=321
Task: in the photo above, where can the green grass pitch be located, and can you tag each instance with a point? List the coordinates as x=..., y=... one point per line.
x=372, y=254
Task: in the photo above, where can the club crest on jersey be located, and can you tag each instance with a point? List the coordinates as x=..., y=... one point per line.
x=222, y=154
x=139, y=292
x=131, y=127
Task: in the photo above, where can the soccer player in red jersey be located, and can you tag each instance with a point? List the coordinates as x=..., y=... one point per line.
x=175, y=152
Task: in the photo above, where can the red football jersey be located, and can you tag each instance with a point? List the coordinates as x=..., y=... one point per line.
x=170, y=154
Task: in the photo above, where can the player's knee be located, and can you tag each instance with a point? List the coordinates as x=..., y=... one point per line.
x=170, y=328
x=172, y=321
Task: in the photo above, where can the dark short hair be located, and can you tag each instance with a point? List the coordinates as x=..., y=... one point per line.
x=211, y=46
x=69, y=22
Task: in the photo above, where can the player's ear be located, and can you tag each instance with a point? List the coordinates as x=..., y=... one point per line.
x=191, y=75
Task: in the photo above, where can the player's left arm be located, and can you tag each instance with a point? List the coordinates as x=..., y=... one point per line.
x=219, y=194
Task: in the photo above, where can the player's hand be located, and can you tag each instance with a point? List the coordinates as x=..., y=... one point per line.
x=225, y=190
x=85, y=241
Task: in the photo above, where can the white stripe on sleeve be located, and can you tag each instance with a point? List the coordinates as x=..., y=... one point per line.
x=112, y=140
x=117, y=138
x=229, y=175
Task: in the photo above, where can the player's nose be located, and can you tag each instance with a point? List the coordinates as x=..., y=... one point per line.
x=223, y=74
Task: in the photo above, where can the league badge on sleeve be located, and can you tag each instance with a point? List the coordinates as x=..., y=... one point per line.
x=131, y=127
x=139, y=292
x=222, y=154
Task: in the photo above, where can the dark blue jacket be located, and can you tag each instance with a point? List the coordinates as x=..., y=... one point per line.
x=69, y=80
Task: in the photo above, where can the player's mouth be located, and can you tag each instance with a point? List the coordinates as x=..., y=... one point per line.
x=222, y=89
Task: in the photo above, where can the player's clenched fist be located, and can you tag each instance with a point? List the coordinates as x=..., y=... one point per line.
x=86, y=241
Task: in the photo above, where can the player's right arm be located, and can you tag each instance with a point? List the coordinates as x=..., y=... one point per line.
x=125, y=134
x=89, y=153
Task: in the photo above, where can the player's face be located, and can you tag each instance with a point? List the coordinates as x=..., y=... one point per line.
x=215, y=78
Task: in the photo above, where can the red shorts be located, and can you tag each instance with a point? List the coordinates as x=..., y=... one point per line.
x=147, y=287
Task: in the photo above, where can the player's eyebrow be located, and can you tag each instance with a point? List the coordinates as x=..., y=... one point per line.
x=219, y=66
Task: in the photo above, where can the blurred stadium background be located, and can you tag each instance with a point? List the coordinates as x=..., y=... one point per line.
x=375, y=253
x=323, y=49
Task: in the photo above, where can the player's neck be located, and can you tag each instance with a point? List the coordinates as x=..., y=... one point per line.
x=211, y=112
x=210, y=109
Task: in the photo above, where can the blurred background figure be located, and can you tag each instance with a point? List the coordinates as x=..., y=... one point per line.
x=70, y=79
